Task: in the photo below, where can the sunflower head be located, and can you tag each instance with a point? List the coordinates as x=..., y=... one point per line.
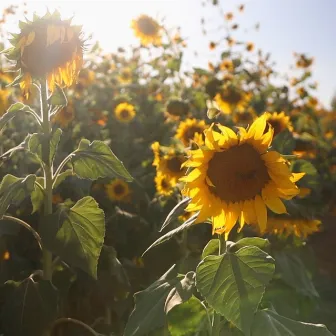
x=250, y=46
x=125, y=76
x=124, y=112
x=279, y=122
x=164, y=185
x=147, y=30
x=231, y=98
x=65, y=116
x=190, y=130
x=227, y=65
x=118, y=190
x=176, y=109
x=235, y=176
x=47, y=47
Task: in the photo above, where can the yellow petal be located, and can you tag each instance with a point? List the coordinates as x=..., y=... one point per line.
x=273, y=202
x=297, y=176
x=257, y=128
x=261, y=213
x=192, y=176
x=249, y=212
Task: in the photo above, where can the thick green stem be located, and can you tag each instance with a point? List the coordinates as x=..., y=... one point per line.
x=48, y=173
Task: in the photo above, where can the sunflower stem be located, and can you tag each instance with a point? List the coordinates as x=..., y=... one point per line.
x=48, y=173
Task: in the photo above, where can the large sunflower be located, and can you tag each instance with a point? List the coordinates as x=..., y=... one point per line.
x=236, y=176
x=287, y=226
x=147, y=30
x=124, y=112
x=279, y=122
x=47, y=47
x=231, y=99
x=118, y=190
x=190, y=130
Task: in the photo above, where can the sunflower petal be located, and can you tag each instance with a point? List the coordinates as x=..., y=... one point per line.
x=261, y=213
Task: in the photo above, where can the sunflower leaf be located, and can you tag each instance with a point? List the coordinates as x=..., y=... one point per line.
x=76, y=234
x=263, y=244
x=12, y=111
x=238, y=280
x=211, y=248
x=189, y=222
x=14, y=190
x=177, y=211
x=58, y=98
x=268, y=323
x=37, y=195
x=94, y=160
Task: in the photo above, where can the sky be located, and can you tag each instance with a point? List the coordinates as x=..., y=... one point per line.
x=286, y=26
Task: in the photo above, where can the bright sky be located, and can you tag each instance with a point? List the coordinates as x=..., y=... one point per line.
x=286, y=26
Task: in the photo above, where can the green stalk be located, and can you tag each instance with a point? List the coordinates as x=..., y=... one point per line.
x=48, y=172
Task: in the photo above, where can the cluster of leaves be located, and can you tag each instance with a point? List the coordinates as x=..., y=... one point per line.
x=227, y=293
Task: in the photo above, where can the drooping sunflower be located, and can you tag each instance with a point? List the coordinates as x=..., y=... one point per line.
x=118, y=190
x=231, y=99
x=147, y=30
x=65, y=116
x=125, y=112
x=279, y=122
x=4, y=102
x=287, y=226
x=125, y=76
x=235, y=176
x=190, y=130
x=164, y=185
x=50, y=48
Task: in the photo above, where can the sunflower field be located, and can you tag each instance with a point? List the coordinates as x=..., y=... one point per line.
x=141, y=198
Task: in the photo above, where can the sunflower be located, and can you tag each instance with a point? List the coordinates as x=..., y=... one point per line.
x=230, y=99
x=168, y=161
x=4, y=102
x=47, y=47
x=65, y=116
x=250, y=46
x=190, y=130
x=164, y=185
x=244, y=118
x=236, y=176
x=85, y=78
x=279, y=122
x=118, y=190
x=147, y=30
x=287, y=226
x=227, y=65
x=124, y=112
x=125, y=76
x=176, y=109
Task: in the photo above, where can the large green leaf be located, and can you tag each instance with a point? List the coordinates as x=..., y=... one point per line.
x=189, y=222
x=30, y=308
x=268, y=323
x=33, y=144
x=14, y=190
x=149, y=311
x=76, y=234
x=12, y=111
x=234, y=283
x=37, y=195
x=212, y=248
x=95, y=160
x=188, y=319
x=284, y=142
x=250, y=241
x=293, y=271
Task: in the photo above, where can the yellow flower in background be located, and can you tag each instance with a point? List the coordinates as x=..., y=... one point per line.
x=235, y=176
x=48, y=47
x=300, y=227
x=118, y=190
x=4, y=101
x=279, y=122
x=125, y=76
x=244, y=118
x=190, y=130
x=212, y=45
x=164, y=185
x=231, y=99
x=65, y=116
x=250, y=46
x=176, y=109
x=124, y=112
x=147, y=30
x=227, y=65
x=228, y=16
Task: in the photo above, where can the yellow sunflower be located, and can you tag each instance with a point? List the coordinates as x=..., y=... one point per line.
x=147, y=30
x=287, y=226
x=65, y=116
x=236, y=176
x=4, y=102
x=232, y=99
x=190, y=130
x=118, y=190
x=164, y=185
x=124, y=112
x=250, y=46
x=279, y=122
x=125, y=76
x=227, y=65
x=47, y=47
